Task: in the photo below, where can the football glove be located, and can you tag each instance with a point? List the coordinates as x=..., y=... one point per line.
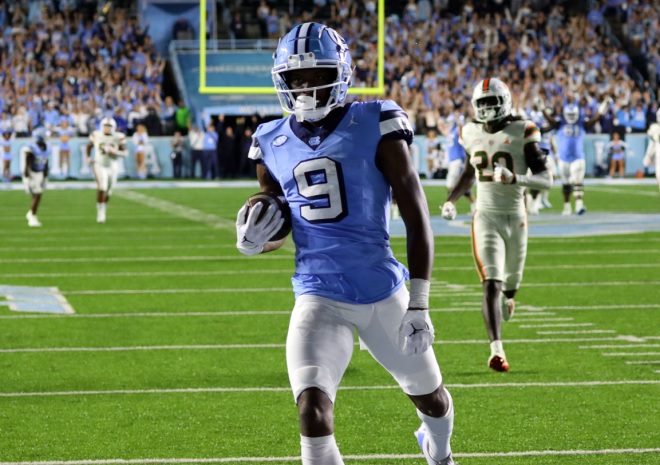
x=448, y=210
x=252, y=234
x=415, y=332
x=503, y=174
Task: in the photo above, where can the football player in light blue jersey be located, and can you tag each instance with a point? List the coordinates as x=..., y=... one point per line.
x=338, y=165
x=539, y=200
x=456, y=154
x=35, y=174
x=570, y=126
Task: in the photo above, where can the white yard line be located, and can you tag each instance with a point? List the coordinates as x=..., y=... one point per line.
x=88, y=248
x=286, y=312
x=624, y=346
x=557, y=325
x=175, y=209
x=626, y=192
x=587, y=331
x=343, y=388
x=644, y=362
x=529, y=320
x=630, y=354
x=280, y=346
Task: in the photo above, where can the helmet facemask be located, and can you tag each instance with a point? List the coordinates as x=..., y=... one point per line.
x=491, y=108
x=571, y=114
x=324, y=49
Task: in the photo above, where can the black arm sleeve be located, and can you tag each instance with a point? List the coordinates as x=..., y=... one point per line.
x=535, y=157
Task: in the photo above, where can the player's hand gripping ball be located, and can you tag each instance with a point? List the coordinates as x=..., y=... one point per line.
x=263, y=218
x=268, y=199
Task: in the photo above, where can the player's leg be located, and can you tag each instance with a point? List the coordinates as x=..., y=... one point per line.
x=319, y=346
x=6, y=169
x=419, y=376
x=102, y=175
x=488, y=251
x=35, y=186
x=622, y=168
x=545, y=193
x=567, y=187
x=516, y=252
x=65, y=162
x=577, y=171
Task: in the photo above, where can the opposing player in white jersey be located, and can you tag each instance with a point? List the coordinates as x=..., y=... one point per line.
x=501, y=148
x=109, y=145
x=653, y=149
x=35, y=158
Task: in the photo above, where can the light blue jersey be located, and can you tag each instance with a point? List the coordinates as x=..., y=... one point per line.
x=339, y=199
x=455, y=150
x=40, y=157
x=570, y=140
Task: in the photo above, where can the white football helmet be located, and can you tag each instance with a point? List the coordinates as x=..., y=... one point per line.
x=491, y=100
x=108, y=122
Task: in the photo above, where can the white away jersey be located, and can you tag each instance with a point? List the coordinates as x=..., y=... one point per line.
x=507, y=148
x=100, y=141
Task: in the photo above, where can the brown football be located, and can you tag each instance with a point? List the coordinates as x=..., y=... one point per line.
x=269, y=198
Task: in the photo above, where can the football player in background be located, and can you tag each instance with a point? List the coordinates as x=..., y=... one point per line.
x=337, y=165
x=35, y=173
x=539, y=200
x=653, y=149
x=109, y=145
x=501, y=148
x=570, y=127
x=456, y=154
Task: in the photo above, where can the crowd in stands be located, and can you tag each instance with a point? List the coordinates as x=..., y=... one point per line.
x=79, y=61
x=437, y=50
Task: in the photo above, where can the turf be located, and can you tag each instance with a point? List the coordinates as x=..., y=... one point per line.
x=176, y=350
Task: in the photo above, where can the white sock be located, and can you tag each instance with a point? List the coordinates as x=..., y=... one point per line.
x=320, y=451
x=579, y=204
x=438, y=432
x=100, y=207
x=496, y=347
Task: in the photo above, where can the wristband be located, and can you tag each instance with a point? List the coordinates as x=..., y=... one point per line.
x=419, y=293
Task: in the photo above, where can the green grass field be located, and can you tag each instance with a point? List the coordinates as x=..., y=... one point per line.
x=175, y=353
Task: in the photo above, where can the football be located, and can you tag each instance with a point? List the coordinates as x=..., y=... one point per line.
x=269, y=198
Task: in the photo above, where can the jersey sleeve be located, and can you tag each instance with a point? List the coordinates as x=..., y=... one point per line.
x=464, y=138
x=394, y=123
x=532, y=133
x=255, y=152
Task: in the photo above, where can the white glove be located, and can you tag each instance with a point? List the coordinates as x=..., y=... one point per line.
x=415, y=332
x=503, y=174
x=448, y=210
x=252, y=235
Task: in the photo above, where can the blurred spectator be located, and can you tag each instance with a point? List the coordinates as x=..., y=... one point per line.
x=228, y=153
x=237, y=26
x=196, y=139
x=152, y=122
x=617, y=149
x=169, y=110
x=210, y=158
x=177, y=144
x=263, y=11
x=182, y=118
x=182, y=30
x=140, y=141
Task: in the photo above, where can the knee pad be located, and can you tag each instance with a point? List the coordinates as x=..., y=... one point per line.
x=579, y=188
x=567, y=189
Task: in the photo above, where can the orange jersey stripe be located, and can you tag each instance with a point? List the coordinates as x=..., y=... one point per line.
x=531, y=130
